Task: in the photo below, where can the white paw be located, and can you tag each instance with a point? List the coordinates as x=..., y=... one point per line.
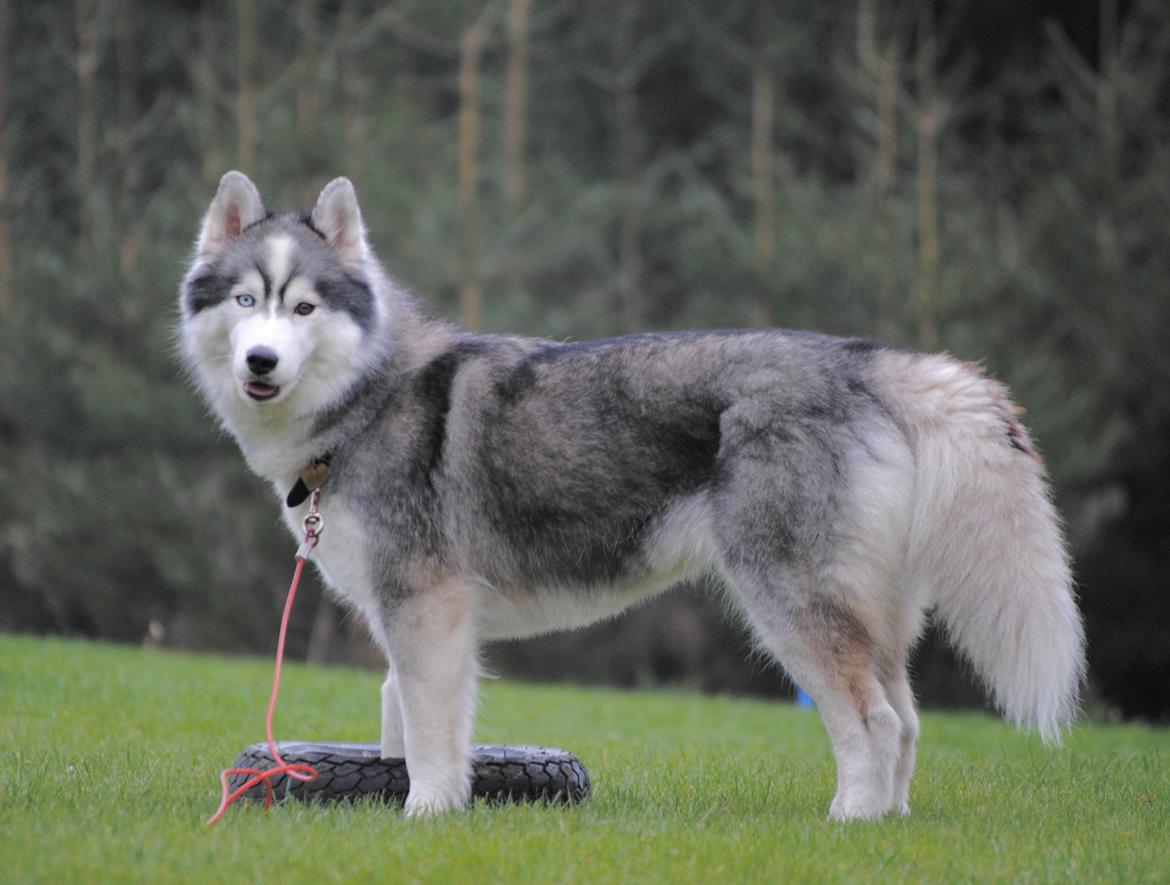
x=429, y=803
x=855, y=807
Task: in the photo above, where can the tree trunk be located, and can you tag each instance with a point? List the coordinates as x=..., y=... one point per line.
x=928, y=213
x=867, y=65
x=246, y=95
x=470, y=296
x=306, y=101
x=515, y=121
x=885, y=180
x=877, y=61
x=207, y=96
x=352, y=90
x=629, y=146
x=87, y=125
x=1108, y=64
x=876, y=164
x=130, y=176
x=867, y=40
x=887, y=165
x=763, y=170
x=5, y=231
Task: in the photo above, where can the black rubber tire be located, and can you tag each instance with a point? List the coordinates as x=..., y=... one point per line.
x=352, y=771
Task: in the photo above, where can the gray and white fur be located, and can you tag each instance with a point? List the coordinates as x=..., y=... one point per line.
x=487, y=486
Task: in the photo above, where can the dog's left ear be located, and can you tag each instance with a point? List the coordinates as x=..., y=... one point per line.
x=339, y=219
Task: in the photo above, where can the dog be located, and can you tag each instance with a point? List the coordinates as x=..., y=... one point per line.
x=489, y=486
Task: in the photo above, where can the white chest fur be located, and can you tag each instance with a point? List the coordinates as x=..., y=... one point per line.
x=341, y=555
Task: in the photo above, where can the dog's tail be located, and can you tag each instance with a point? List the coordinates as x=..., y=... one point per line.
x=986, y=545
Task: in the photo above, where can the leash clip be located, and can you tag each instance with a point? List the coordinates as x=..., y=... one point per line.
x=314, y=525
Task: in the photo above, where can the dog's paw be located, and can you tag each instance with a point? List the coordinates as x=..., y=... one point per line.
x=422, y=803
x=854, y=807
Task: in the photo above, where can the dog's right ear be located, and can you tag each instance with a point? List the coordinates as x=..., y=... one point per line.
x=237, y=204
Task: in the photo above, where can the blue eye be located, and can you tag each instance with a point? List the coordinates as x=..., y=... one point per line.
x=245, y=300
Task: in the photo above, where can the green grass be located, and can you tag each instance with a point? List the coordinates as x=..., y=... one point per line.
x=109, y=760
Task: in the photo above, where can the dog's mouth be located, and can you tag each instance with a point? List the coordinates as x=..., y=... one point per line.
x=260, y=391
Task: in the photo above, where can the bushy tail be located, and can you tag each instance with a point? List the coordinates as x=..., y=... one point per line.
x=986, y=544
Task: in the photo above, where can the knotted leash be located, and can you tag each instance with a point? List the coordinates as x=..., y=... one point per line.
x=310, y=481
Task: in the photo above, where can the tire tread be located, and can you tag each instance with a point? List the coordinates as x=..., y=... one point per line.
x=348, y=772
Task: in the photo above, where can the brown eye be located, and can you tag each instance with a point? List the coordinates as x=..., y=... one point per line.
x=304, y=309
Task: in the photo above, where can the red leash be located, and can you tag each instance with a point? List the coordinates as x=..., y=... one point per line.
x=314, y=523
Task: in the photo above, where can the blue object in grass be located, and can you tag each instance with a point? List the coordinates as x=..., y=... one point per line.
x=803, y=701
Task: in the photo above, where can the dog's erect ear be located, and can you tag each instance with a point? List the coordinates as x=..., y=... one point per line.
x=237, y=204
x=339, y=219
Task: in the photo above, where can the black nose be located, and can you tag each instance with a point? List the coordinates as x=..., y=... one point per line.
x=262, y=360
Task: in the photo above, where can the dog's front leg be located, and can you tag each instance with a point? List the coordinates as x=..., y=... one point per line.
x=431, y=638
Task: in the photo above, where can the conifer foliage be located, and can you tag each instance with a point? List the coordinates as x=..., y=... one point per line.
x=980, y=178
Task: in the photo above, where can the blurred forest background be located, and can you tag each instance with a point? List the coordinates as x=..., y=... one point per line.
x=989, y=177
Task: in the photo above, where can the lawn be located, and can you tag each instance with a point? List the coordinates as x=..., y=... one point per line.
x=110, y=758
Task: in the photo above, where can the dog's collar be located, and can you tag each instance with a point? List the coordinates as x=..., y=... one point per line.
x=309, y=480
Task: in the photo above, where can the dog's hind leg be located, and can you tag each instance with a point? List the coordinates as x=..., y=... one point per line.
x=901, y=698
x=904, y=622
x=430, y=637
x=829, y=651
x=812, y=519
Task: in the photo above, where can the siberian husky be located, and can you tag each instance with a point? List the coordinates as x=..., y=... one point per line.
x=487, y=486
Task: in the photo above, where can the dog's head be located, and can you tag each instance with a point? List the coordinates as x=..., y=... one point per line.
x=276, y=307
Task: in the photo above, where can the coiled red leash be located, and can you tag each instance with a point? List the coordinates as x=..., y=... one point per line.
x=314, y=525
